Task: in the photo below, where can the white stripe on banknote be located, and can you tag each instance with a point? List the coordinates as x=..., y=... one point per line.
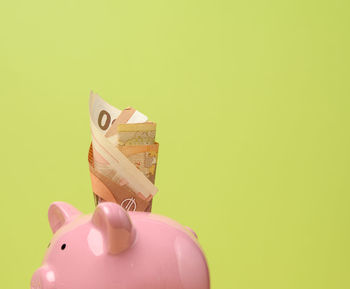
x=137, y=117
x=136, y=179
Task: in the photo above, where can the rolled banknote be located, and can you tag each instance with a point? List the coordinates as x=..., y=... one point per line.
x=122, y=156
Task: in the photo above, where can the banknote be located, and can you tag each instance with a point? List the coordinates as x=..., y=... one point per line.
x=107, y=189
x=144, y=157
x=103, y=115
x=119, y=173
x=136, y=134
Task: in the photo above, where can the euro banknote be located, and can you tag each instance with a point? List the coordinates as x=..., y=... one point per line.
x=122, y=156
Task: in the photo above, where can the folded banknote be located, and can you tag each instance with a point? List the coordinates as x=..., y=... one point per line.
x=123, y=155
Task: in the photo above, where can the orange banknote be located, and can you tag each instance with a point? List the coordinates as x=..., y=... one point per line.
x=122, y=156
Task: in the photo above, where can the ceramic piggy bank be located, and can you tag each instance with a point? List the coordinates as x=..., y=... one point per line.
x=115, y=249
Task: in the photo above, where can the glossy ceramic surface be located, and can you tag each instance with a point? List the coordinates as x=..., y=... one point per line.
x=114, y=249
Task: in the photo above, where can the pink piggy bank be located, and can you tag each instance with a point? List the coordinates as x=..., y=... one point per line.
x=115, y=249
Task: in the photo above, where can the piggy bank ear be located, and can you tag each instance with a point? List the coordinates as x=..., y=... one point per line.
x=115, y=225
x=61, y=213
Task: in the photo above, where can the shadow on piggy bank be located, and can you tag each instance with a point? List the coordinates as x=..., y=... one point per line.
x=115, y=249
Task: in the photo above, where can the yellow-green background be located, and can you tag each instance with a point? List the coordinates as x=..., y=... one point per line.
x=252, y=104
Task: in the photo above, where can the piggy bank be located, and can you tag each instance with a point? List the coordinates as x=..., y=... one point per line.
x=115, y=249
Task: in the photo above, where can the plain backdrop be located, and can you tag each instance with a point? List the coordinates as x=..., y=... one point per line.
x=252, y=102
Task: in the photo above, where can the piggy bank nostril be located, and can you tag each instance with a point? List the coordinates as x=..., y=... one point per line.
x=35, y=283
x=35, y=286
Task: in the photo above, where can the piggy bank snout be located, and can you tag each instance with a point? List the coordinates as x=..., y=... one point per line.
x=43, y=278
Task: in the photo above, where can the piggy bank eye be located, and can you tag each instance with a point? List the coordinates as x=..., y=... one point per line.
x=63, y=246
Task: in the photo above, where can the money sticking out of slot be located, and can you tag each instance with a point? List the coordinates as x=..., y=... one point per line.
x=122, y=156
